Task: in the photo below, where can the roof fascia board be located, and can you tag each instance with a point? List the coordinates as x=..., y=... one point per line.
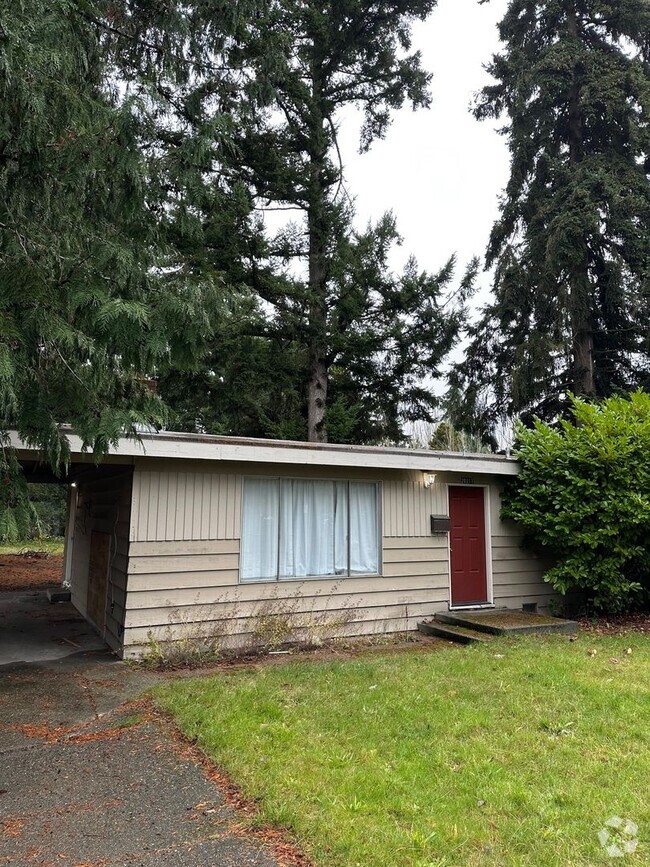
x=187, y=447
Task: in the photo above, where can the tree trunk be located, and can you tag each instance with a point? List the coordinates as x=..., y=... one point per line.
x=317, y=401
x=318, y=367
x=582, y=336
x=317, y=223
x=583, y=361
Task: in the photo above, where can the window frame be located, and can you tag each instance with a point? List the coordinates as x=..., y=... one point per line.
x=344, y=576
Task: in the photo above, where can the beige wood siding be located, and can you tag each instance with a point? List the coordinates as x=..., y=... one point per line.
x=184, y=560
x=169, y=506
x=187, y=588
x=408, y=505
x=181, y=505
x=517, y=574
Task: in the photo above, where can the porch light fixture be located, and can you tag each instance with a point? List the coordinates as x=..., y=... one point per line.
x=429, y=480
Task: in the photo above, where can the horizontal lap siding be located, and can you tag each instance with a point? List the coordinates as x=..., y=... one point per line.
x=173, y=591
x=213, y=565
x=312, y=593
x=228, y=606
x=517, y=574
x=184, y=563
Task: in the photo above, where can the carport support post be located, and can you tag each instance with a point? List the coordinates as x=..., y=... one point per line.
x=70, y=521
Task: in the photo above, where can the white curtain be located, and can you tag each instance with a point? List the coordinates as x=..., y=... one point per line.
x=313, y=520
x=364, y=541
x=294, y=528
x=260, y=529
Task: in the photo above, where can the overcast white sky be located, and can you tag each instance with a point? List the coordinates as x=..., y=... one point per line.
x=440, y=170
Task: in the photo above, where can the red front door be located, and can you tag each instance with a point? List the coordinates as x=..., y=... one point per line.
x=467, y=542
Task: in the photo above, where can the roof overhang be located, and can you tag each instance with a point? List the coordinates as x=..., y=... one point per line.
x=203, y=447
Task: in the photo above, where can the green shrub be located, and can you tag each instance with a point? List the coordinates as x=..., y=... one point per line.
x=17, y=515
x=583, y=496
x=50, y=504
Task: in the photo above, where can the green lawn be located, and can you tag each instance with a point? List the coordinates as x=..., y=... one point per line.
x=51, y=545
x=514, y=753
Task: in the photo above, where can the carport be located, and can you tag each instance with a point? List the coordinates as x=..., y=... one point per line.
x=94, y=564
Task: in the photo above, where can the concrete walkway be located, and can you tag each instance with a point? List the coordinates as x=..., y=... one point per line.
x=89, y=778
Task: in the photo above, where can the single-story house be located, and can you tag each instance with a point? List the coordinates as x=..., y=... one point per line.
x=179, y=535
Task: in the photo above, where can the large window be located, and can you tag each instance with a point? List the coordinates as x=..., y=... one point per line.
x=295, y=528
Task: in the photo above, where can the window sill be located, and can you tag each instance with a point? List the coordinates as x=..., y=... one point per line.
x=301, y=579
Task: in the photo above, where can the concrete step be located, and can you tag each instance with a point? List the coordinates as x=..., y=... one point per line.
x=507, y=622
x=60, y=594
x=460, y=634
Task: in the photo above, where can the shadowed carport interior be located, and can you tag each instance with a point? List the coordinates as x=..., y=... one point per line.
x=94, y=566
x=34, y=630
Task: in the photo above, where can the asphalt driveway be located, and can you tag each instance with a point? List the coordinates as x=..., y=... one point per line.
x=90, y=777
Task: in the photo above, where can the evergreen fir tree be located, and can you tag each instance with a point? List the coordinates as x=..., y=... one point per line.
x=87, y=309
x=84, y=319
x=571, y=249
x=369, y=336
x=355, y=341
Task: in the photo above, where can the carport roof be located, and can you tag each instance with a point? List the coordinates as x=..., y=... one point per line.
x=204, y=447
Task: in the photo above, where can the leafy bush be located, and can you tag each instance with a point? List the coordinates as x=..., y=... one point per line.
x=583, y=495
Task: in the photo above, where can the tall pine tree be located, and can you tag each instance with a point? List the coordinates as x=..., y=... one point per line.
x=354, y=341
x=328, y=56
x=571, y=249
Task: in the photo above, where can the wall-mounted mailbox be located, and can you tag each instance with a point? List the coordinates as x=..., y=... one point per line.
x=440, y=524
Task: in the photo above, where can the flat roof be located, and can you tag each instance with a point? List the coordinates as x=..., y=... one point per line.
x=206, y=447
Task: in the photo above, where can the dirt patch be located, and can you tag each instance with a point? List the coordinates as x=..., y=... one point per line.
x=30, y=571
x=621, y=624
x=332, y=651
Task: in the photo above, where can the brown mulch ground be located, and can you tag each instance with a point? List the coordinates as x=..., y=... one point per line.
x=620, y=624
x=30, y=571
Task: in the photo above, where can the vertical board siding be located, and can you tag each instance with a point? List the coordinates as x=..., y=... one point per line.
x=407, y=506
x=171, y=506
